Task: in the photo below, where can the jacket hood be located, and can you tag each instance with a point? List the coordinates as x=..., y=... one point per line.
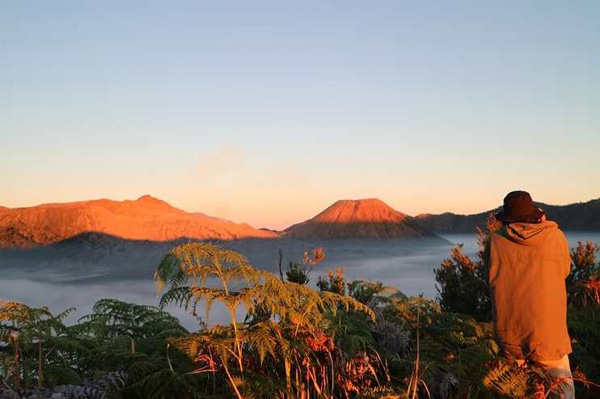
x=530, y=233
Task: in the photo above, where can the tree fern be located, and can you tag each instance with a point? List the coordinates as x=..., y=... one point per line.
x=293, y=311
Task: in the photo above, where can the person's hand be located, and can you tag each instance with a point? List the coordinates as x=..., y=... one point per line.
x=542, y=219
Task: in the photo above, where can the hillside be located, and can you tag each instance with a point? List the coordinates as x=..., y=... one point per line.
x=358, y=219
x=582, y=216
x=146, y=218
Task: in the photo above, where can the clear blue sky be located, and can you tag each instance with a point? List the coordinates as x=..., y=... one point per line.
x=266, y=112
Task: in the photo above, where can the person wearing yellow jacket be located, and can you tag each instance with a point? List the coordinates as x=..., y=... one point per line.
x=528, y=262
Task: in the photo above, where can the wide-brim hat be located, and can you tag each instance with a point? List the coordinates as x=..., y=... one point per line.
x=519, y=207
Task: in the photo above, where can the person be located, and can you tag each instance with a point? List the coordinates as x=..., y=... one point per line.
x=528, y=261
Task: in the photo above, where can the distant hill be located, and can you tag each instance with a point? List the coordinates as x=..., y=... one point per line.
x=358, y=219
x=146, y=218
x=582, y=216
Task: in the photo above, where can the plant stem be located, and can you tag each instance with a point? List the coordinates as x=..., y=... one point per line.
x=280, y=261
x=238, y=345
x=237, y=392
x=40, y=363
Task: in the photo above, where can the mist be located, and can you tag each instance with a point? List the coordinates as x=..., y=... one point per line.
x=60, y=278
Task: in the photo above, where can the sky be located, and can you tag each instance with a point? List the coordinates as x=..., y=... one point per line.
x=266, y=112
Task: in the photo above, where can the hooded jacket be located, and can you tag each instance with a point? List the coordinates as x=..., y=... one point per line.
x=527, y=267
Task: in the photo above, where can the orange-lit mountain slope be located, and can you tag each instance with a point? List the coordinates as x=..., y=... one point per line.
x=358, y=219
x=146, y=218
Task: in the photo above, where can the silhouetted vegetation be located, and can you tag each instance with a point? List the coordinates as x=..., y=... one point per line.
x=284, y=339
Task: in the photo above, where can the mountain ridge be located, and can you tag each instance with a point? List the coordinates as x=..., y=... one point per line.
x=578, y=216
x=150, y=218
x=146, y=218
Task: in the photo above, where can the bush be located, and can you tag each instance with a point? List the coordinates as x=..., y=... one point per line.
x=462, y=283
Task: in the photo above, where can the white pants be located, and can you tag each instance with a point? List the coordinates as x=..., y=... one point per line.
x=560, y=369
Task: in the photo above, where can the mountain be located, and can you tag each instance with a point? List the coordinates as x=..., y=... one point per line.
x=358, y=219
x=582, y=216
x=149, y=218
x=146, y=218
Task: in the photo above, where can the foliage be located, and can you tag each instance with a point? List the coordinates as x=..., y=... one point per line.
x=286, y=344
x=583, y=283
x=583, y=288
x=462, y=286
x=132, y=339
x=35, y=341
x=335, y=282
x=462, y=283
x=299, y=273
x=118, y=349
